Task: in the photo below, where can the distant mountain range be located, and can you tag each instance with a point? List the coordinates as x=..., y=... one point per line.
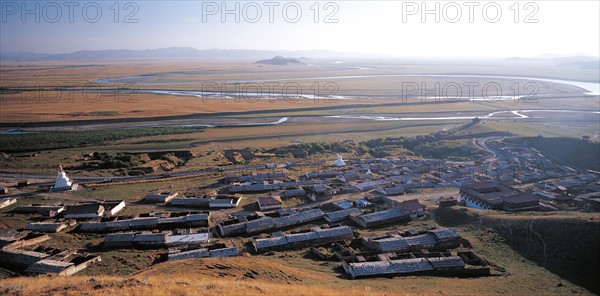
x=172, y=53
x=279, y=60
x=265, y=56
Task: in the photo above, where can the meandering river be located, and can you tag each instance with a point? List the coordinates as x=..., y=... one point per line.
x=592, y=88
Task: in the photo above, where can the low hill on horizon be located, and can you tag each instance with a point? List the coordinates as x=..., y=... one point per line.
x=279, y=60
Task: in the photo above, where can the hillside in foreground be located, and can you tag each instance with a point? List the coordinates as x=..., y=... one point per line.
x=252, y=276
x=518, y=252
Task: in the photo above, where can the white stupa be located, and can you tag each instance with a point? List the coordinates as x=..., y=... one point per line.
x=62, y=181
x=339, y=161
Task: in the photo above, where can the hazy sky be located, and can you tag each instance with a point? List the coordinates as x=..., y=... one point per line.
x=378, y=27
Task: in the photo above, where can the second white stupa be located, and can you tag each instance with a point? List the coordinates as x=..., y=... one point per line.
x=339, y=161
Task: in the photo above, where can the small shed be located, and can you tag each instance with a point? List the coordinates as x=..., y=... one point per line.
x=446, y=202
x=84, y=211
x=112, y=207
x=343, y=205
x=362, y=203
x=380, y=218
x=319, y=192
x=266, y=203
x=341, y=215
x=412, y=207
x=446, y=263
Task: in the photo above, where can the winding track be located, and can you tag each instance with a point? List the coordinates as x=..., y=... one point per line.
x=482, y=143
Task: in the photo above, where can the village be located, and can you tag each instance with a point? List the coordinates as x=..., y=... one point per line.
x=339, y=213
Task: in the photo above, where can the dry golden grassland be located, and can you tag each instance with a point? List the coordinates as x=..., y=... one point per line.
x=178, y=285
x=259, y=275
x=51, y=105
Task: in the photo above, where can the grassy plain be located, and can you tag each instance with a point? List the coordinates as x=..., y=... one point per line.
x=31, y=109
x=55, y=103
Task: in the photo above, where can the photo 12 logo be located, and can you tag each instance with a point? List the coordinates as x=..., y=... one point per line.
x=249, y=92
x=471, y=91
x=469, y=11
x=69, y=11
x=253, y=12
x=254, y=92
x=38, y=93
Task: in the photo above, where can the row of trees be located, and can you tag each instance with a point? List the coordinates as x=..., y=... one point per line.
x=430, y=146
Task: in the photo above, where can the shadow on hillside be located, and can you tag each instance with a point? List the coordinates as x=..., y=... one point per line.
x=565, y=246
